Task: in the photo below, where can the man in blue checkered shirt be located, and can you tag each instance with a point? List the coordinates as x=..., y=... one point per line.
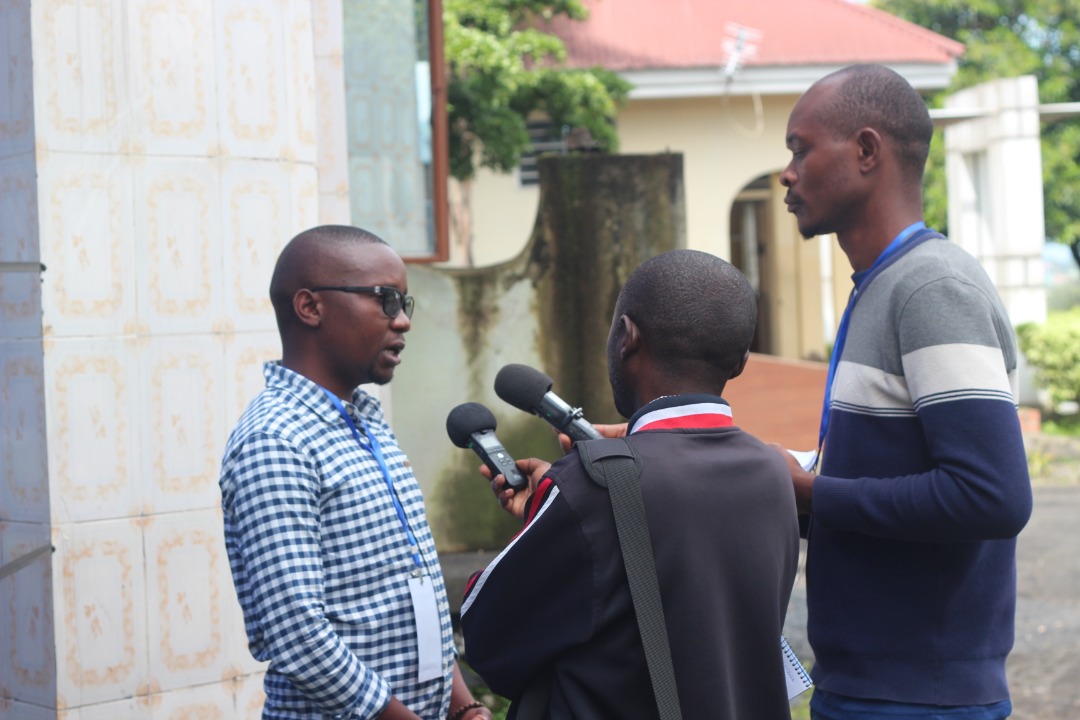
x=331, y=554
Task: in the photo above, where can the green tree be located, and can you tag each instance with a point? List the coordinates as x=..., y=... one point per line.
x=1008, y=38
x=502, y=67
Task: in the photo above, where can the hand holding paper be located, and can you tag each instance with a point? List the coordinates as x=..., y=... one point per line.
x=800, y=464
x=807, y=459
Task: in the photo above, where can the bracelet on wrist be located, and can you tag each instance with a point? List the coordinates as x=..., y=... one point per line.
x=461, y=711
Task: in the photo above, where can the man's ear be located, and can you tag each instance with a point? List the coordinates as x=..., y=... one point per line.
x=631, y=337
x=741, y=366
x=308, y=307
x=870, y=145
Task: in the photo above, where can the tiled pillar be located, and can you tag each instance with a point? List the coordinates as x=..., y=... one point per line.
x=154, y=155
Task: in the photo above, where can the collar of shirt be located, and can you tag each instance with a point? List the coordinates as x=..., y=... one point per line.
x=697, y=411
x=309, y=393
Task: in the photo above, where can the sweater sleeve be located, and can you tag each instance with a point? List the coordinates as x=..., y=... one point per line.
x=953, y=346
x=533, y=601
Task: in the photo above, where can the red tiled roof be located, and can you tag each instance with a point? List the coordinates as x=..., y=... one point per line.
x=666, y=34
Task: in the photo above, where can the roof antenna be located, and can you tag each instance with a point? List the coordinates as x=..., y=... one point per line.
x=739, y=44
x=735, y=56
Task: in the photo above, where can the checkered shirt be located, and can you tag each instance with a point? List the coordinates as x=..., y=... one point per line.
x=320, y=559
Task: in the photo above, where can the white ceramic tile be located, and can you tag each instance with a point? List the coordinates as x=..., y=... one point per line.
x=18, y=201
x=245, y=355
x=252, y=78
x=101, y=643
x=83, y=102
x=331, y=112
x=250, y=697
x=300, y=99
x=182, y=426
x=127, y=709
x=304, y=187
x=205, y=702
x=333, y=141
x=188, y=594
x=178, y=223
x=26, y=655
x=16, y=83
x=334, y=209
x=87, y=245
x=326, y=19
x=174, y=80
x=91, y=392
x=24, y=476
x=256, y=215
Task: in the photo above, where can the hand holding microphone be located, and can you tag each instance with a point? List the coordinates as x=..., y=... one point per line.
x=472, y=426
x=529, y=389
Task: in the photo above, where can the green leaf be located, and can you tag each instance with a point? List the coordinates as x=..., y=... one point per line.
x=504, y=66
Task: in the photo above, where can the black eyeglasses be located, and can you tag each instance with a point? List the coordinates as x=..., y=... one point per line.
x=393, y=300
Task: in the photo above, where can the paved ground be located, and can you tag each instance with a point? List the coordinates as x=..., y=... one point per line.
x=1044, y=667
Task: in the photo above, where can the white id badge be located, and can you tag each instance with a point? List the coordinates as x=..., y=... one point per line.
x=428, y=628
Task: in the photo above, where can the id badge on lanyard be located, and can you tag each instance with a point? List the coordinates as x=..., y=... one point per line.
x=421, y=586
x=428, y=627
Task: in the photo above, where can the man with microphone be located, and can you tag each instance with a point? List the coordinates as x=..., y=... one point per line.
x=555, y=608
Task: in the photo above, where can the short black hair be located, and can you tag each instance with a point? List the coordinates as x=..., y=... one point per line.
x=301, y=262
x=875, y=96
x=696, y=311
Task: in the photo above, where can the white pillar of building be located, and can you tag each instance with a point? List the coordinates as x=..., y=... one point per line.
x=993, y=165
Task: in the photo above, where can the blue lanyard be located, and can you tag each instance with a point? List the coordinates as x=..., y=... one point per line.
x=375, y=449
x=861, y=281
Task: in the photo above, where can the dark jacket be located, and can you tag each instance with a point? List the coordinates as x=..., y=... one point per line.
x=723, y=525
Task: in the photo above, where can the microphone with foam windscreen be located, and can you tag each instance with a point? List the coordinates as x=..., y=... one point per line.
x=529, y=389
x=472, y=426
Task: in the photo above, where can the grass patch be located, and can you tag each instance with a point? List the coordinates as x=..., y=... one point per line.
x=1066, y=426
x=800, y=706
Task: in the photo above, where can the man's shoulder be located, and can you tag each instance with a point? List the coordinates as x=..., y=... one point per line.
x=937, y=258
x=734, y=437
x=663, y=452
x=273, y=413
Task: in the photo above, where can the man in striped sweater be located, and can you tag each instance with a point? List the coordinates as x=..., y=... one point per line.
x=923, y=485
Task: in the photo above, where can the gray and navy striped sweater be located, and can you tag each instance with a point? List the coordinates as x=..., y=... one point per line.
x=911, y=577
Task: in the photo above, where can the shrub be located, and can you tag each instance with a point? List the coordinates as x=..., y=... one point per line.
x=1063, y=297
x=1053, y=349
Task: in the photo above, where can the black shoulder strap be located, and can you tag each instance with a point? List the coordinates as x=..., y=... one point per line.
x=613, y=463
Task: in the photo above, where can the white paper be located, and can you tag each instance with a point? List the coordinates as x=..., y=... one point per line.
x=807, y=459
x=428, y=629
x=798, y=680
